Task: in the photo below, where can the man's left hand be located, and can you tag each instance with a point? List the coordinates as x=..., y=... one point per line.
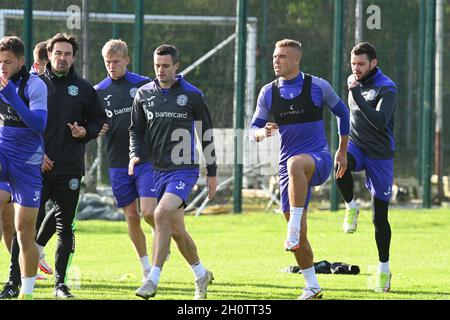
x=340, y=159
x=211, y=183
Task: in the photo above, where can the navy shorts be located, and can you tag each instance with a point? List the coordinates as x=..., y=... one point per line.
x=5, y=187
x=179, y=182
x=25, y=181
x=379, y=173
x=127, y=189
x=324, y=164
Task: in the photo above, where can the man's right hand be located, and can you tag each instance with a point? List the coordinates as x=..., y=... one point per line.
x=352, y=82
x=47, y=164
x=133, y=161
x=3, y=82
x=270, y=129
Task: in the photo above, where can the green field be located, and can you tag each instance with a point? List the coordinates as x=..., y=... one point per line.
x=245, y=253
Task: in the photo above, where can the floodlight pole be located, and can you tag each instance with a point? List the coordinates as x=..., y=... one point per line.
x=91, y=148
x=86, y=38
x=427, y=141
x=239, y=104
x=337, y=84
x=359, y=12
x=138, y=36
x=420, y=87
x=439, y=94
x=28, y=32
x=115, y=31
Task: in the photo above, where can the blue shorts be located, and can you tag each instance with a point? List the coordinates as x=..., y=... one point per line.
x=179, y=182
x=379, y=173
x=324, y=164
x=5, y=187
x=25, y=182
x=127, y=189
x=4, y=169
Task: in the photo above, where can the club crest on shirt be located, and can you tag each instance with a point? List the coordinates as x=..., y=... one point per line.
x=133, y=92
x=369, y=95
x=74, y=184
x=72, y=90
x=182, y=100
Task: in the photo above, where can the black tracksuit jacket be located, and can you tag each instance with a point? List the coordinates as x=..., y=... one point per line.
x=70, y=99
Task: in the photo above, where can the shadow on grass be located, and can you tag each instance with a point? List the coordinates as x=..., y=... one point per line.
x=218, y=290
x=113, y=229
x=178, y=290
x=392, y=292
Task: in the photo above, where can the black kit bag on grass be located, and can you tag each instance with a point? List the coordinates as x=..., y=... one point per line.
x=325, y=267
x=343, y=268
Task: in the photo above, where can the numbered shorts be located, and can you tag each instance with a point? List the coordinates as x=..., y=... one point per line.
x=179, y=182
x=379, y=173
x=324, y=164
x=127, y=189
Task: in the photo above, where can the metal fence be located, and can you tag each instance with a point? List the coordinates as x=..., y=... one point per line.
x=395, y=27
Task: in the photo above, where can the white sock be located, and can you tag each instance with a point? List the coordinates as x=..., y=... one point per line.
x=155, y=274
x=28, y=285
x=310, y=278
x=383, y=267
x=145, y=262
x=146, y=267
x=41, y=250
x=351, y=204
x=147, y=275
x=293, y=227
x=198, y=270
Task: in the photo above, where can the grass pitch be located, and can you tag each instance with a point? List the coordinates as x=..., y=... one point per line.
x=245, y=253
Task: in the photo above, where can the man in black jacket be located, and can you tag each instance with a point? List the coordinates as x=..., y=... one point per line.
x=75, y=117
x=372, y=100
